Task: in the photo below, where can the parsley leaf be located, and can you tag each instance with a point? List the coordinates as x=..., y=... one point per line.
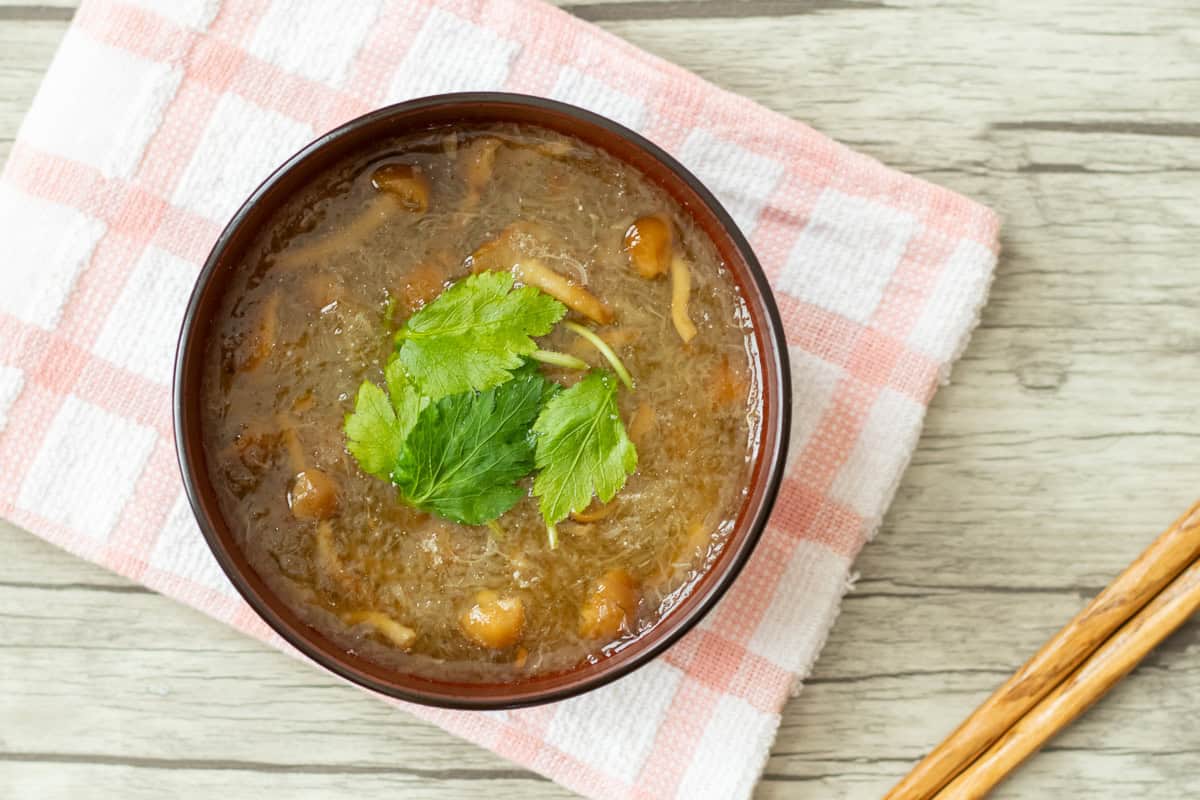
x=377, y=428
x=474, y=334
x=582, y=449
x=467, y=451
x=531, y=368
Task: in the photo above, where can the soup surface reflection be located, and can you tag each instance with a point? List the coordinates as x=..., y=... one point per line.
x=312, y=314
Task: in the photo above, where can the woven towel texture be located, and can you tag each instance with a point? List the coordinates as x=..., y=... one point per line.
x=157, y=119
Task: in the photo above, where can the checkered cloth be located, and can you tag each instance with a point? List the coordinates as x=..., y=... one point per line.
x=157, y=119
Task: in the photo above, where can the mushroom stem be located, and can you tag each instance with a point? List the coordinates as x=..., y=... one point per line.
x=510, y=251
x=399, y=635
x=381, y=208
x=681, y=288
x=533, y=272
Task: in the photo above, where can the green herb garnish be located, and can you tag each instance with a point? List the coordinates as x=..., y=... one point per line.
x=467, y=413
x=474, y=334
x=582, y=449
x=377, y=429
x=467, y=451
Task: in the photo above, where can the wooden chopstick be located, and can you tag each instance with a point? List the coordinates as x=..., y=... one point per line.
x=1168, y=556
x=1115, y=658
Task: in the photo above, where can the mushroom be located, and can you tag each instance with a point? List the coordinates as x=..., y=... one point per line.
x=404, y=182
x=399, y=188
x=648, y=241
x=291, y=440
x=681, y=289
x=610, y=607
x=399, y=635
x=511, y=251
x=595, y=512
x=495, y=621
x=263, y=336
x=642, y=423
x=326, y=552
x=424, y=282
x=381, y=208
x=477, y=163
x=313, y=495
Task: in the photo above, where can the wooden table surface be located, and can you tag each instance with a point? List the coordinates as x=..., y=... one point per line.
x=1069, y=438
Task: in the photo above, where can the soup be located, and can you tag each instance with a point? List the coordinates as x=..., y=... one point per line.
x=481, y=403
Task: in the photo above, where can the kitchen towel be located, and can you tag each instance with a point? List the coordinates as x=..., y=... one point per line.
x=157, y=119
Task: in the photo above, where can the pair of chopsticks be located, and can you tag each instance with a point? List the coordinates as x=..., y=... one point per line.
x=1097, y=648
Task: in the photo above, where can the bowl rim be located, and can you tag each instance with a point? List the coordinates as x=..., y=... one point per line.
x=773, y=462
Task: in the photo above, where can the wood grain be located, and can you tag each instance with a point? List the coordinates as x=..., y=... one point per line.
x=1177, y=602
x=1088, y=636
x=1070, y=428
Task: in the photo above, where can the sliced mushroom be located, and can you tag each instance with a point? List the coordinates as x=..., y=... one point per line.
x=510, y=251
x=399, y=635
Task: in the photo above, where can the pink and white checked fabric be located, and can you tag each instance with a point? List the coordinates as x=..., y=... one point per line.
x=157, y=119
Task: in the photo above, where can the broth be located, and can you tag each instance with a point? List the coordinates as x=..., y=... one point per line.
x=310, y=315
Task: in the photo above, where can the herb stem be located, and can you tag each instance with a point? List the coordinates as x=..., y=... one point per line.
x=557, y=359
x=495, y=528
x=605, y=351
x=552, y=536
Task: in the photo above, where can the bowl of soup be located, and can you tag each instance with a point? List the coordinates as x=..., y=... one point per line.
x=481, y=401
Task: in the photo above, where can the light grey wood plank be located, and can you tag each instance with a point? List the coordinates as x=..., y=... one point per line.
x=62, y=780
x=640, y=10
x=57, y=10
x=1064, y=445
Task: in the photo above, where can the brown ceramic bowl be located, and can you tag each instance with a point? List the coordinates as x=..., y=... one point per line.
x=472, y=108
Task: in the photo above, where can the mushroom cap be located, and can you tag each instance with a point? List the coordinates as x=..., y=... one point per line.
x=649, y=243
x=404, y=182
x=494, y=621
x=511, y=245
